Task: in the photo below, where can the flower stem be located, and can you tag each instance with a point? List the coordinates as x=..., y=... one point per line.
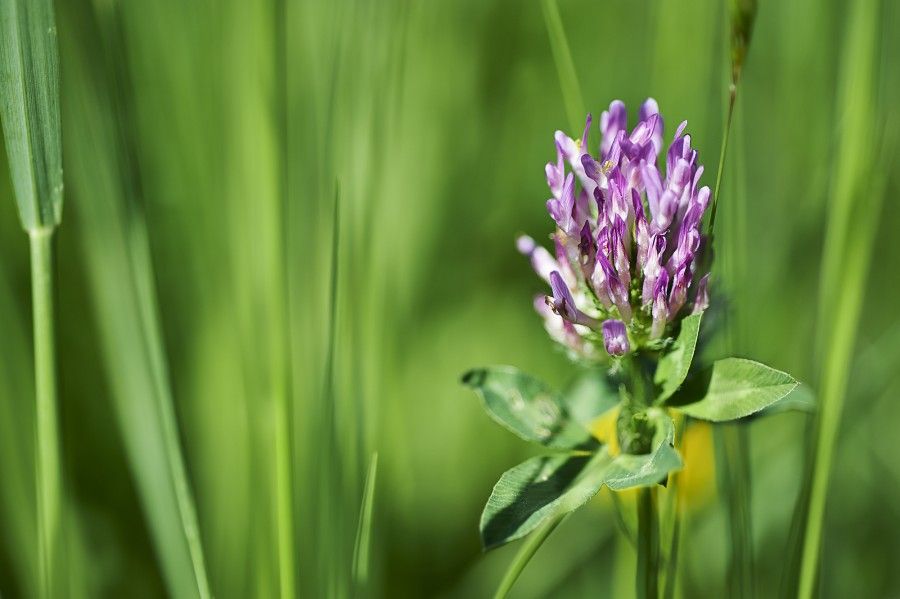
x=47, y=469
x=648, y=545
x=529, y=548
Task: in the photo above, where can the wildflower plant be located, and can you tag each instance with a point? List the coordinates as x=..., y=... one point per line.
x=627, y=286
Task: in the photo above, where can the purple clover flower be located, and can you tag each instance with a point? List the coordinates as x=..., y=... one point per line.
x=627, y=235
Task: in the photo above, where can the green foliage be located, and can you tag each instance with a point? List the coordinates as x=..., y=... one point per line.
x=628, y=470
x=527, y=407
x=545, y=487
x=674, y=364
x=528, y=494
x=801, y=399
x=739, y=388
x=29, y=106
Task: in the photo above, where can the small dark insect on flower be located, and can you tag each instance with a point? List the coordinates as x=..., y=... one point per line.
x=626, y=241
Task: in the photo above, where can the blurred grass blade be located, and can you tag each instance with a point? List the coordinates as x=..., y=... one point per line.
x=364, y=528
x=852, y=223
x=117, y=255
x=17, y=499
x=565, y=67
x=526, y=552
x=733, y=473
x=29, y=103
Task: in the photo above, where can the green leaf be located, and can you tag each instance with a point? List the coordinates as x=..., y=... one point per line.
x=547, y=486
x=29, y=105
x=627, y=470
x=527, y=407
x=738, y=388
x=801, y=399
x=675, y=364
x=537, y=489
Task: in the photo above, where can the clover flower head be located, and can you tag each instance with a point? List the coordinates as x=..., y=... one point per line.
x=628, y=235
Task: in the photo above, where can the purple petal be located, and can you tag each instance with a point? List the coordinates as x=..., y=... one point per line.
x=615, y=337
x=611, y=123
x=701, y=301
x=587, y=129
x=592, y=168
x=587, y=249
x=680, y=285
x=563, y=302
x=541, y=260
x=660, y=306
x=653, y=269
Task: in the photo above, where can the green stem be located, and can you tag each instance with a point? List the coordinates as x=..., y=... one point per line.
x=47, y=468
x=529, y=548
x=648, y=545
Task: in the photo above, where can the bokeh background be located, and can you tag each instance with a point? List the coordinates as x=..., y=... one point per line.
x=325, y=195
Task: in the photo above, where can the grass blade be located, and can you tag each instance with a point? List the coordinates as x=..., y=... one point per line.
x=364, y=528
x=526, y=552
x=852, y=223
x=565, y=67
x=29, y=104
x=117, y=256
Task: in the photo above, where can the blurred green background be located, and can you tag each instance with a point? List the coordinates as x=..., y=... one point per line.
x=322, y=196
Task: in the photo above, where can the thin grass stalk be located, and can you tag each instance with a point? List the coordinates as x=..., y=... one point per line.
x=47, y=465
x=526, y=552
x=723, y=150
x=852, y=223
x=647, y=580
x=363, y=544
x=284, y=413
x=565, y=66
x=733, y=462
